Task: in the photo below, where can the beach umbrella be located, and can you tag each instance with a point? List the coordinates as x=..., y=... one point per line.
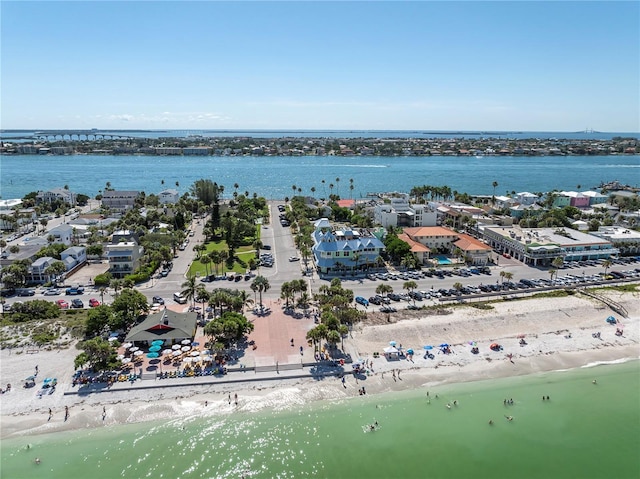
x=112, y=338
x=520, y=336
x=409, y=351
x=157, y=341
x=126, y=360
x=473, y=344
x=176, y=353
x=120, y=357
x=176, y=346
x=194, y=353
x=188, y=360
x=444, y=345
x=195, y=343
x=427, y=347
x=127, y=345
x=167, y=351
x=133, y=349
x=155, y=349
x=185, y=341
x=392, y=343
x=152, y=355
x=184, y=349
x=138, y=353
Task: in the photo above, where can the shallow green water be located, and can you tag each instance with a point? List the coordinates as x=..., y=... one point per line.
x=583, y=431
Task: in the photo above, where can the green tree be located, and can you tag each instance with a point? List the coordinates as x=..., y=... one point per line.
x=127, y=308
x=98, y=353
x=98, y=320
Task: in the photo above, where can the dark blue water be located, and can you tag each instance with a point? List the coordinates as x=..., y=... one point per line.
x=274, y=177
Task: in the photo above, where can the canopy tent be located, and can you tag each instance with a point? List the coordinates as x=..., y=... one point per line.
x=391, y=352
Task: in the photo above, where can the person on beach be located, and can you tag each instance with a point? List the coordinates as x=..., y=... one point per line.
x=50, y=415
x=344, y=382
x=104, y=412
x=509, y=418
x=490, y=422
x=37, y=460
x=66, y=413
x=229, y=398
x=235, y=397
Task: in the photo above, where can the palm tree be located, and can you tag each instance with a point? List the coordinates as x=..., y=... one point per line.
x=102, y=290
x=338, y=186
x=606, y=264
x=189, y=288
x=553, y=272
x=495, y=185
x=383, y=289
x=205, y=260
x=116, y=285
x=508, y=275
x=215, y=259
x=262, y=286
x=324, y=188
x=355, y=257
x=502, y=275
x=245, y=298
x=410, y=286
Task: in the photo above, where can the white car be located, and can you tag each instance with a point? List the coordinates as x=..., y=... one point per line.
x=293, y=258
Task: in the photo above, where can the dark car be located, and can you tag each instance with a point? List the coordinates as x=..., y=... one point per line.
x=26, y=292
x=157, y=300
x=77, y=303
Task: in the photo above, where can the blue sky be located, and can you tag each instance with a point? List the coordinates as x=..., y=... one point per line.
x=525, y=66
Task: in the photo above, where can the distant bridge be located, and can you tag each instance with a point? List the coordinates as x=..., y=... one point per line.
x=78, y=135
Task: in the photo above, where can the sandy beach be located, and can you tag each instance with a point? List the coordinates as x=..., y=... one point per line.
x=559, y=333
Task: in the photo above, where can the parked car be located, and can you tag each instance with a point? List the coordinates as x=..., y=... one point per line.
x=62, y=304
x=25, y=292
x=93, y=302
x=157, y=299
x=293, y=258
x=51, y=292
x=361, y=300
x=77, y=303
x=74, y=290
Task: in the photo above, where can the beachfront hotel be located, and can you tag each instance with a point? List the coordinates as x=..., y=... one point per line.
x=539, y=246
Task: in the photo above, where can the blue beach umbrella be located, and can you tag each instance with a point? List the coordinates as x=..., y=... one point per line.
x=152, y=355
x=157, y=341
x=155, y=349
x=444, y=345
x=409, y=351
x=392, y=343
x=427, y=347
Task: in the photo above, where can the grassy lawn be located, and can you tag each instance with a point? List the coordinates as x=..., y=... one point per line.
x=244, y=253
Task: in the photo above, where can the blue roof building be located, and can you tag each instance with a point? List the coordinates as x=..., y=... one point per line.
x=342, y=251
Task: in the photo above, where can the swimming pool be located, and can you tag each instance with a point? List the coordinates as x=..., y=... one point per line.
x=443, y=259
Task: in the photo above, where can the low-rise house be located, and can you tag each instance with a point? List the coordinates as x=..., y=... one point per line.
x=62, y=234
x=169, y=196
x=38, y=268
x=625, y=239
x=474, y=251
x=56, y=194
x=119, y=201
x=124, y=253
x=341, y=251
x=74, y=256
x=525, y=198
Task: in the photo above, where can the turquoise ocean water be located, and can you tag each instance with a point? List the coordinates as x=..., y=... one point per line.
x=583, y=431
x=274, y=177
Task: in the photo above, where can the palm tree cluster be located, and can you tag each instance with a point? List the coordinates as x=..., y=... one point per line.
x=433, y=192
x=289, y=289
x=336, y=314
